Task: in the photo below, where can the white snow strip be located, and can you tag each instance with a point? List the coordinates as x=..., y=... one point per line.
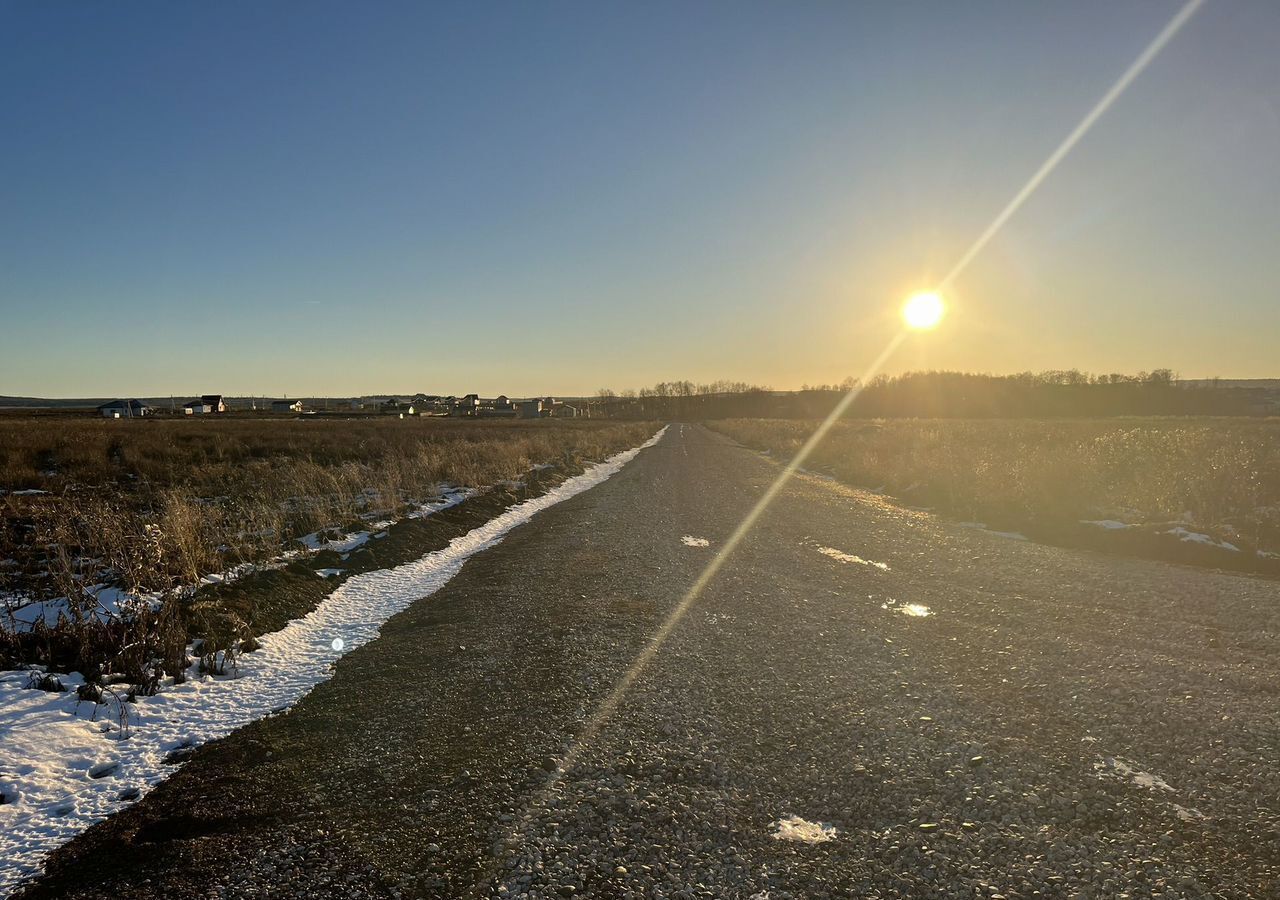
x=449, y=496
x=851, y=558
x=48, y=747
x=1108, y=524
x=794, y=828
x=690, y=541
x=1196, y=537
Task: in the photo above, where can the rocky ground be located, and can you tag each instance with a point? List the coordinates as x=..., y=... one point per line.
x=984, y=717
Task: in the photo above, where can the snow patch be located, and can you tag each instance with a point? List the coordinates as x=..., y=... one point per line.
x=1108, y=524
x=915, y=610
x=1196, y=537
x=794, y=828
x=690, y=541
x=1114, y=765
x=851, y=558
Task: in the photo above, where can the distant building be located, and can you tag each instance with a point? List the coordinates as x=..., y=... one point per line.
x=498, y=407
x=124, y=409
x=286, y=406
x=403, y=407
x=209, y=403
x=564, y=411
x=530, y=409
x=466, y=406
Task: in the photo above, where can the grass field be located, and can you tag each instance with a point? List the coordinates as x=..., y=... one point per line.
x=153, y=506
x=207, y=492
x=1218, y=476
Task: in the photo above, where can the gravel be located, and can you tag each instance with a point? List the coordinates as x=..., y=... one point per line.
x=1062, y=724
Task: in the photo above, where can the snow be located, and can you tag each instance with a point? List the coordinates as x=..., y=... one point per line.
x=794, y=828
x=915, y=610
x=1196, y=537
x=1109, y=524
x=851, y=558
x=1187, y=814
x=50, y=743
x=449, y=496
x=110, y=602
x=1114, y=765
x=690, y=541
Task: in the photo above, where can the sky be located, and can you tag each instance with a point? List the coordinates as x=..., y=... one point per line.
x=328, y=198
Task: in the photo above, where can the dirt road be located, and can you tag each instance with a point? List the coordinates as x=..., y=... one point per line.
x=931, y=711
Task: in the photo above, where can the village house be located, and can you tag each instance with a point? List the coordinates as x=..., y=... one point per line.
x=286, y=406
x=124, y=409
x=209, y=403
x=466, y=406
x=563, y=411
x=394, y=405
x=498, y=407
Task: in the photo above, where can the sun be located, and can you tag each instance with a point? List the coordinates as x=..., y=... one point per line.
x=923, y=311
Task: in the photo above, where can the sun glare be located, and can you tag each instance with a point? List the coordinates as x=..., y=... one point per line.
x=923, y=311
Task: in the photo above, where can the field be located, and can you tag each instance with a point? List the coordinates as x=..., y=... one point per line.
x=1206, y=486
x=114, y=520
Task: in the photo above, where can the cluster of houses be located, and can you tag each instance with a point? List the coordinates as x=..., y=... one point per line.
x=472, y=406
x=475, y=406
x=208, y=404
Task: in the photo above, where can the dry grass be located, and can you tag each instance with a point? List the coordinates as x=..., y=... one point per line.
x=1220, y=475
x=154, y=505
x=200, y=494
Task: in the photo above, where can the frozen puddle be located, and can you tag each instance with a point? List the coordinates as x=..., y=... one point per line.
x=60, y=771
x=794, y=828
x=915, y=610
x=851, y=558
x=1113, y=765
x=690, y=541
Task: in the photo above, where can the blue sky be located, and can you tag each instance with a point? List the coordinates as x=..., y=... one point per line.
x=335, y=198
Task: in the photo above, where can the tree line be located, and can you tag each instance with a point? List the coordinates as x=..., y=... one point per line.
x=945, y=394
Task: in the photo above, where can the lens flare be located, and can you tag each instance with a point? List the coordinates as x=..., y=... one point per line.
x=923, y=311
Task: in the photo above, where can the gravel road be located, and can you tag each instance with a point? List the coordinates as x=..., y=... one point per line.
x=865, y=702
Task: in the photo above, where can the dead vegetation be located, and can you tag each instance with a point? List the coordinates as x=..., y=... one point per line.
x=153, y=506
x=1219, y=475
